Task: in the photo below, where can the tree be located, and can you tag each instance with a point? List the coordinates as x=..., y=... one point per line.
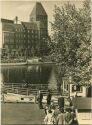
x=72, y=38
x=84, y=51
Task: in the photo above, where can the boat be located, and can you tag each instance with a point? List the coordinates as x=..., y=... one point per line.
x=15, y=98
x=37, y=61
x=11, y=97
x=34, y=60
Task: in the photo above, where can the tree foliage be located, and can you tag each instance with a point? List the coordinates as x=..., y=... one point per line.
x=72, y=38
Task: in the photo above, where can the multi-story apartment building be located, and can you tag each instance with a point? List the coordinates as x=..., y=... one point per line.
x=25, y=39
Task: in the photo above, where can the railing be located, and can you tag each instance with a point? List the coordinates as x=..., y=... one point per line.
x=26, y=89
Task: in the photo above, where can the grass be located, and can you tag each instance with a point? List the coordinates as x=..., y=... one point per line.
x=21, y=113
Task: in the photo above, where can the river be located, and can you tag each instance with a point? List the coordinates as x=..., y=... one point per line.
x=33, y=74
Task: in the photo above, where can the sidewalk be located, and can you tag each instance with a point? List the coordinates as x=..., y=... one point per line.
x=21, y=113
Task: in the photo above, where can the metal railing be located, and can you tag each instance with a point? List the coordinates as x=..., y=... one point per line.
x=23, y=89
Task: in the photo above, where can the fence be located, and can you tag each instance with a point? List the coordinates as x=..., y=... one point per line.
x=26, y=89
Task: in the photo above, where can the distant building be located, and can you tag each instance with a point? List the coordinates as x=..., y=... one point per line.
x=77, y=90
x=26, y=39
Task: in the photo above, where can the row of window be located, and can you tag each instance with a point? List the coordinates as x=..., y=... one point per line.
x=26, y=30
x=40, y=17
x=12, y=35
x=22, y=41
x=21, y=38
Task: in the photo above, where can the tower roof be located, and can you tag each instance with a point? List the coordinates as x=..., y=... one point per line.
x=38, y=10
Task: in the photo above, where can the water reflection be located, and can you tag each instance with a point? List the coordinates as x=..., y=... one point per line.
x=40, y=74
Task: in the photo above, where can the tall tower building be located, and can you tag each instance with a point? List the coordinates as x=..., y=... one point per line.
x=39, y=15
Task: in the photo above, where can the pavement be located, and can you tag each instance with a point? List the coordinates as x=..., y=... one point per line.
x=21, y=113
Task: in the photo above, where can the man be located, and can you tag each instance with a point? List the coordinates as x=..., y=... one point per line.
x=39, y=99
x=49, y=98
x=61, y=117
x=68, y=116
x=61, y=102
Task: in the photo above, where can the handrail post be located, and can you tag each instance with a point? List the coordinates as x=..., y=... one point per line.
x=22, y=85
x=27, y=92
x=17, y=91
x=12, y=86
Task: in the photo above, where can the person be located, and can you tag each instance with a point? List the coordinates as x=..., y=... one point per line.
x=49, y=117
x=39, y=99
x=46, y=109
x=70, y=102
x=61, y=117
x=49, y=98
x=56, y=113
x=52, y=106
x=68, y=116
x=74, y=120
x=61, y=102
x=53, y=109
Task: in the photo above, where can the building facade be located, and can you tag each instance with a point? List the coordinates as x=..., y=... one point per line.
x=26, y=39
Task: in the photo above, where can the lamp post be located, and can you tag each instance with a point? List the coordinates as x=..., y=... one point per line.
x=70, y=80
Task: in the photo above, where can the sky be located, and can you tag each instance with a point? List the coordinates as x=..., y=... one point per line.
x=22, y=9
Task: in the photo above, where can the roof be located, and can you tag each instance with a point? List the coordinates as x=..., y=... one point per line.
x=38, y=10
x=17, y=26
x=29, y=25
x=6, y=20
x=82, y=102
x=8, y=27
x=12, y=26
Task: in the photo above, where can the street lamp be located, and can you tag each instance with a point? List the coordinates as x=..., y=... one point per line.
x=70, y=80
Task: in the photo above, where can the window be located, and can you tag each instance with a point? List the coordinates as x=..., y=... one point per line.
x=67, y=87
x=73, y=88
x=6, y=34
x=76, y=88
x=28, y=31
x=32, y=31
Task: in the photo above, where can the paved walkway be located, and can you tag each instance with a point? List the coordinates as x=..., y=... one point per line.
x=21, y=113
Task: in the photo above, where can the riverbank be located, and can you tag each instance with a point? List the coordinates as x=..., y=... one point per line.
x=13, y=64
x=25, y=63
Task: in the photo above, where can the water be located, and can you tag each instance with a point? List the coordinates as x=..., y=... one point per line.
x=35, y=74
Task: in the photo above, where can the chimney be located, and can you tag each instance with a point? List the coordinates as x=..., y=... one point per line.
x=16, y=19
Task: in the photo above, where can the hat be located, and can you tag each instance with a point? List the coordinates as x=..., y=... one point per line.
x=62, y=110
x=68, y=109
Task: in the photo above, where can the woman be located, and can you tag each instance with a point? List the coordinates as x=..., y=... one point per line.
x=49, y=117
x=39, y=99
x=61, y=117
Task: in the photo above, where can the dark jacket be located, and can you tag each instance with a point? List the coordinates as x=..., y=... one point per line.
x=40, y=97
x=61, y=102
x=49, y=98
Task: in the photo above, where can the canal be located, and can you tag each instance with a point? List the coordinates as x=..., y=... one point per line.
x=30, y=75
